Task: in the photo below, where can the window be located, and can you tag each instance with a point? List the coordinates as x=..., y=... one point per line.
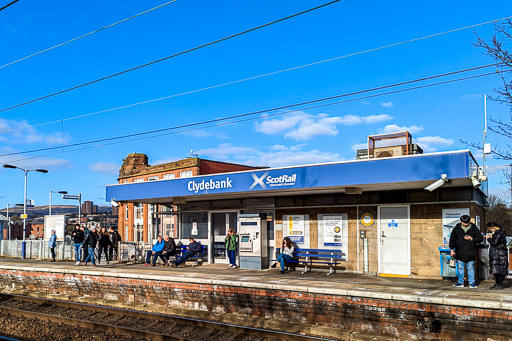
x=186, y=174
x=125, y=181
x=126, y=232
x=126, y=211
x=169, y=176
x=153, y=178
x=138, y=208
x=139, y=180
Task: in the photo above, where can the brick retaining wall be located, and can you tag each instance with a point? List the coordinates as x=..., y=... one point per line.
x=317, y=312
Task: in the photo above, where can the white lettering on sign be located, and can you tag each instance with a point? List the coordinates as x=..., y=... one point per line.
x=283, y=180
x=195, y=187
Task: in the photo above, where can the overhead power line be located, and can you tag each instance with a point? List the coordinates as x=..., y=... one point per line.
x=87, y=34
x=169, y=57
x=252, y=77
x=251, y=113
x=266, y=116
x=9, y=4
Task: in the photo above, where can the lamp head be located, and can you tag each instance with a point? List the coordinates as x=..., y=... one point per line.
x=9, y=166
x=42, y=170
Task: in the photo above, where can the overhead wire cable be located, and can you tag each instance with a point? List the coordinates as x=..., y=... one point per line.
x=9, y=4
x=254, y=112
x=250, y=78
x=168, y=57
x=87, y=34
x=266, y=116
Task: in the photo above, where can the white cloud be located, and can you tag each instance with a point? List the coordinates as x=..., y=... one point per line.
x=226, y=151
x=33, y=163
x=358, y=146
x=386, y=104
x=473, y=96
x=104, y=168
x=394, y=128
x=277, y=126
x=432, y=143
x=302, y=126
x=271, y=157
x=16, y=132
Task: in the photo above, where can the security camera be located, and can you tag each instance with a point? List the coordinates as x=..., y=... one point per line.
x=191, y=151
x=475, y=182
x=432, y=187
x=114, y=203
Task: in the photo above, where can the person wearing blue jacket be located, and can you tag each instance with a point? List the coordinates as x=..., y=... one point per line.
x=192, y=249
x=52, y=243
x=156, y=251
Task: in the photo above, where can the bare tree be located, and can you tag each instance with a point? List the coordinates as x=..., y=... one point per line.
x=496, y=49
x=500, y=213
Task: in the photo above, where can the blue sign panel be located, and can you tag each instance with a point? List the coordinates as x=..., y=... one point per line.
x=375, y=171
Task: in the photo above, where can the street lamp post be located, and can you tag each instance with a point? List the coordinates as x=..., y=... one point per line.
x=50, y=206
x=23, y=245
x=9, y=220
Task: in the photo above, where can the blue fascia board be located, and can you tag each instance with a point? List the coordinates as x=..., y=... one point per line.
x=456, y=165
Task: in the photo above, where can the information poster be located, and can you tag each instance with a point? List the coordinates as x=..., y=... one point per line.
x=451, y=217
x=332, y=230
x=295, y=227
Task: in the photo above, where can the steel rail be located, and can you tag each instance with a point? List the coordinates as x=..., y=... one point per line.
x=271, y=334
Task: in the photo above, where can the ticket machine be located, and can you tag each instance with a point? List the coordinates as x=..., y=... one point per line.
x=252, y=230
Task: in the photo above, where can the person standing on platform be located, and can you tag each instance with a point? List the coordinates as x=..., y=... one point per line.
x=90, y=243
x=84, y=249
x=192, y=248
x=115, y=238
x=103, y=244
x=498, y=254
x=169, y=249
x=52, y=243
x=78, y=239
x=156, y=251
x=463, y=245
x=230, y=245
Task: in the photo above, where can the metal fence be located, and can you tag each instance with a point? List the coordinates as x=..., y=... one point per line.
x=133, y=251
x=37, y=249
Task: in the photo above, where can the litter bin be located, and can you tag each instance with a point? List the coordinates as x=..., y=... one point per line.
x=444, y=256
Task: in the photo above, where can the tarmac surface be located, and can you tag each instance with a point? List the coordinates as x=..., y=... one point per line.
x=341, y=283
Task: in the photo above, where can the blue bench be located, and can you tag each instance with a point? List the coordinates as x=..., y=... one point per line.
x=310, y=257
x=197, y=258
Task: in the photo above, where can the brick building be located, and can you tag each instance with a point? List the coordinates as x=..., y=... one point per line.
x=139, y=221
x=388, y=212
x=88, y=207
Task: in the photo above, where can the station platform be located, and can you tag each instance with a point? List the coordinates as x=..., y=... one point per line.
x=358, y=304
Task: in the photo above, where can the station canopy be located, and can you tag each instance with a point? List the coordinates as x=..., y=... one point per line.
x=408, y=172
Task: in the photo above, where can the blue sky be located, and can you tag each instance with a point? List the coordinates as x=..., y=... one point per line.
x=438, y=117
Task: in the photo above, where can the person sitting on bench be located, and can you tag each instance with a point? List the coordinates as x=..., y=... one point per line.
x=169, y=249
x=286, y=253
x=192, y=248
x=156, y=251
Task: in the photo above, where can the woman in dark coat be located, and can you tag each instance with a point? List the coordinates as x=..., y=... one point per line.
x=498, y=254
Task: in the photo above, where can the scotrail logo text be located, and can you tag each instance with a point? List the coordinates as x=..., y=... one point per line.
x=201, y=186
x=265, y=180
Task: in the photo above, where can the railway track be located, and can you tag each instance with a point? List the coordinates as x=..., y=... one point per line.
x=135, y=323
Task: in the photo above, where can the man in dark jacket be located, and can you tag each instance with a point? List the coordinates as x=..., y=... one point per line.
x=192, y=249
x=169, y=249
x=115, y=238
x=463, y=245
x=78, y=239
x=90, y=243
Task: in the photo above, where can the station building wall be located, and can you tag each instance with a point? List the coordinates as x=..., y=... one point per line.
x=426, y=234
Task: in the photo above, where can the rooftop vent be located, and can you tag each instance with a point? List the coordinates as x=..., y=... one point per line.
x=389, y=145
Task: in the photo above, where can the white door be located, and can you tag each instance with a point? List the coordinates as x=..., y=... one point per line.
x=394, y=247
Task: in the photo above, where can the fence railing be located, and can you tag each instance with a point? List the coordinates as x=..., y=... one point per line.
x=37, y=249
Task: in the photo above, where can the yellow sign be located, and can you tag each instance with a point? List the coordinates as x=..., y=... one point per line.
x=24, y=216
x=367, y=219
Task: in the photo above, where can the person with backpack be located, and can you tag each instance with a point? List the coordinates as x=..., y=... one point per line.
x=230, y=245
x=90, y=243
